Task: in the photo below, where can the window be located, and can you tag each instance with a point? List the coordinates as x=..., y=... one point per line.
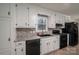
x=42, y=23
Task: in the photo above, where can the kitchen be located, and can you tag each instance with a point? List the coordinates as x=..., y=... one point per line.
x=32, y=29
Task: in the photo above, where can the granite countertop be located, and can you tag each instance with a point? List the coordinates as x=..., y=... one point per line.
x=29, y=38
x=34, y=37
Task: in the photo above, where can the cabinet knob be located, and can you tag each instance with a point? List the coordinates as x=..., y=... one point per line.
x=28, y=24
x=14, y=49
x=25, y=23
x=54, y=41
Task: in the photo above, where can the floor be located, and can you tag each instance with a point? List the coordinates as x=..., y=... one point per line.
x=66, y=51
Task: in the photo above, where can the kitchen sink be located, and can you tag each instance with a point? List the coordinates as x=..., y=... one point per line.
x=44, y=35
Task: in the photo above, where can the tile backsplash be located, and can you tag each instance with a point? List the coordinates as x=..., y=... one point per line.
x=24, y=34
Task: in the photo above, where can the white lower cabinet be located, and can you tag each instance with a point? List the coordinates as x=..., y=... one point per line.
x=44, y=46
x=49, y=44
x=56, y=44
x=20, y=48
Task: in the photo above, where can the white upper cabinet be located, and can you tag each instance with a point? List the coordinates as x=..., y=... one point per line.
x=25, y=16
x=5, y=10
x=68, y=19
x=43, y=11
x=51, y=21
x=32, y=16
x=21, y=15
x=59, y=18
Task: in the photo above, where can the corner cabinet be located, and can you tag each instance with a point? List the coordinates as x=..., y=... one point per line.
x=4, y=10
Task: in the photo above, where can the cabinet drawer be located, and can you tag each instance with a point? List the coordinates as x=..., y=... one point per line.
x=20, y=43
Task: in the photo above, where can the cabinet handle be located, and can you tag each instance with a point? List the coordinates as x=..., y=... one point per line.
x=54, y=41
x=22, y=49
x=28, y=24
x=9, y=39
x=16, y=24
x=19, y=43
x=55, y=14
x=15, y=49
x=8, y=13
x=16, y=5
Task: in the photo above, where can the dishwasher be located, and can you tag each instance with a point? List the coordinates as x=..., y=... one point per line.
x=33, y=47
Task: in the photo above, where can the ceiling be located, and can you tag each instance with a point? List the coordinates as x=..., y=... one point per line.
x=66, y=8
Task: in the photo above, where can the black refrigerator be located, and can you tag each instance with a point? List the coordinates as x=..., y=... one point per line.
x=72, y=30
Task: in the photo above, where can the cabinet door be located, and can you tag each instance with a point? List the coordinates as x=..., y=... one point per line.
x=53, y=44
x=4, y=10
x=20, y=48
x=44, y=46
x=56, y=43
x=62, y=20
x=20, y=51
x=32, y=17
x=51, y=23
x=57, y=17
x=5, y=37
x=67, y=19
x=21, y=15
x=50, y=45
